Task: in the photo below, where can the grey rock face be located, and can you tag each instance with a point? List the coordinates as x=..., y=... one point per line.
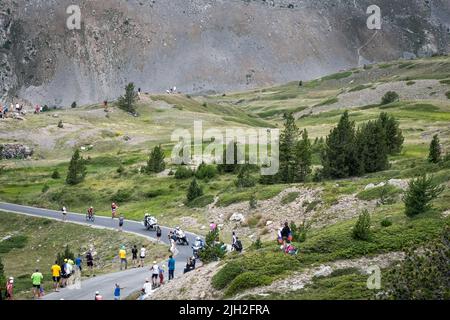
x=200, y=45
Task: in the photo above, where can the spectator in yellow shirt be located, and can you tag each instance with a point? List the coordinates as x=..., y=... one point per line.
x=123, y=258
x=56, y=275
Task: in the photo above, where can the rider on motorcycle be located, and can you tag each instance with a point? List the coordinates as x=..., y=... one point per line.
x=181, y=236
x=198, y=245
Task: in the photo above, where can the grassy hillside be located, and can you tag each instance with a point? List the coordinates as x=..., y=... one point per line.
x=331, y=206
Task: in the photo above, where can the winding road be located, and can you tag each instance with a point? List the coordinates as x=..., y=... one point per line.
x=131, y=280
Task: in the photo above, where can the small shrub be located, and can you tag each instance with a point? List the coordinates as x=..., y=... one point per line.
x=447, y=94
x=45, y=108
x=245, y=281
x=212, y=251
x=15, y=242
x=244, y=178
x=221, y=279
x=421, y=191
x=73, y=105
x=253, y=202
x=299, y=233
x=183, y=172
x=257, y=244
x=410, y=83
x=390, y=97
x=60, y=124
x=206, y=172
x=253, y=220
x=155, y=193
x=56, y=175
x=120, y=170
x=361, y=230
x=122, y=195
x=45, y=188
x=386, y=222
x=194, y=191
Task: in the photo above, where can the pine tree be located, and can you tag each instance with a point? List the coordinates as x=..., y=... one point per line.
x=338, y=158
x=288, y=142
x=372, y=150
x=435, y=155
x=420, y=193
x=231, y=151
x=361, y=230
x=126, y=102
x=77, y=169
x=194, y=191
x=155, y=163
x=244, y=178
x=394, y=136
x=303, y=158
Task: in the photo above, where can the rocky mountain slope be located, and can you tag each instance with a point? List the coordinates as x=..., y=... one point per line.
x=200, y=45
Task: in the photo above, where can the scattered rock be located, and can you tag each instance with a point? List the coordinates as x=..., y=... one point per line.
x=399, y=183
x=238, y=217
x=369, y=186
x=323, y=271
x=268, y=223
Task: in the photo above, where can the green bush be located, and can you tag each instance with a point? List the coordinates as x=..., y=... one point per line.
x=244, y=178
x=361, y=230
x=222, y=278
x=212, y=250
x=155, y=163
x=15, y=242
x=299, y=233
x=423, y=274
x=155, y=193
x=45, y=188
x=245, y=281
x=56, y=175
x=253, y=202
x=206, y=172
x=448, y=94
x=183, y=172
x=194, y=191
x=122, y=195
x=73, y=105
x=421, y=191
x=390, y=97
x=386, y=223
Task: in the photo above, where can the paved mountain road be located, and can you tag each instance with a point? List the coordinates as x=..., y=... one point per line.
x=131, y=279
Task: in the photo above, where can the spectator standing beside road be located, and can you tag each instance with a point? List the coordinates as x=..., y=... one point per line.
x=171, y=265
x=36, y=279
x=56, y=275
x=158, y=234
x=134, y=252
x=90, y=262
x=155, y=274
x=121, y=221
x=142, y=256
x=123, y=258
